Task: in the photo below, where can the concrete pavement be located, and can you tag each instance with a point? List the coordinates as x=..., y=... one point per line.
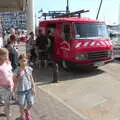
x=47, y=107
x=94, y=94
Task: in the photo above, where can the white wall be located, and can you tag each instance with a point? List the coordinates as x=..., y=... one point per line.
x=30, y=12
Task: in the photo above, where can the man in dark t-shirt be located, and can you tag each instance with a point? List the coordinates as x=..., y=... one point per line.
x=42, y=43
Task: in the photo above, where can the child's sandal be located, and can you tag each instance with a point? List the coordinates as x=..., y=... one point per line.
x=28, y=115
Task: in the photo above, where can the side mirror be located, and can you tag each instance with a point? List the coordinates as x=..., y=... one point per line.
x=77, y=36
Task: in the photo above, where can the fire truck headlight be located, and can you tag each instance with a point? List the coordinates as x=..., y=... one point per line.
x=81, y=56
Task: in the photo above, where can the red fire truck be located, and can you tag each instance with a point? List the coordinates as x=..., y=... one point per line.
x=79, y=41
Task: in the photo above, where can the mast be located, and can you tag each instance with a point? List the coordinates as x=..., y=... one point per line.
x=99, y=9
x=67, y=7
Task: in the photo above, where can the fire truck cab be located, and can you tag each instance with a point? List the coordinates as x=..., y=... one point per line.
x=79, y=41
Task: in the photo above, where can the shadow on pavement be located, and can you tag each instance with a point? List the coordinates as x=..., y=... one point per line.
x=117, y=60
x=45, y=75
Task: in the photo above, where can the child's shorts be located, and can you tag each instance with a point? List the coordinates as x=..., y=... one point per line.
x=24, y=98
x=5, y=94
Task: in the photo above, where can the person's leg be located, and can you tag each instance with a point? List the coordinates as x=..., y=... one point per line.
x=40, y=59
x=45, y=57
x=28, y=114
x=21, y=102
x=28, y=107
x=22, y=115
x=2, y=100
x=30, y=101
x=7, y=93
x=7, y=111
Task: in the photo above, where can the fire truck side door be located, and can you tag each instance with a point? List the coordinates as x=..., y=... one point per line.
x=66, y=38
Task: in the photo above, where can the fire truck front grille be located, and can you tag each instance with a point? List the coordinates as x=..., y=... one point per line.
x=97, y=55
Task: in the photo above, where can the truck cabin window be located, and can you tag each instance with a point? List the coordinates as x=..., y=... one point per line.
x=90, y=30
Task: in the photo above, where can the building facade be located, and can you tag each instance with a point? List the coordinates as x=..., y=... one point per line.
x=13, y=19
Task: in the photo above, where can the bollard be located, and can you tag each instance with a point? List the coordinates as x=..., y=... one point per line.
x=55, y=72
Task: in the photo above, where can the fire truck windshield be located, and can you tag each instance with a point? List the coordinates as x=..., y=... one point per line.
x=90, y=31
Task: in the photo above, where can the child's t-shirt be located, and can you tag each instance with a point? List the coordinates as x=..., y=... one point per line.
x=24, y=79
x=6, y=75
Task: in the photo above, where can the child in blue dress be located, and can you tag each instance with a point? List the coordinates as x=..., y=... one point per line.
x=24, y=87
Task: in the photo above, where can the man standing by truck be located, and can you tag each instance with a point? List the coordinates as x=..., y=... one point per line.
x=42, y=43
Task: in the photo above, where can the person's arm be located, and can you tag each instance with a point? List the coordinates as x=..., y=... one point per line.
x=30, y=77
x=10, y=49
x=37, y=40
x=33, y=84
x=15, y=80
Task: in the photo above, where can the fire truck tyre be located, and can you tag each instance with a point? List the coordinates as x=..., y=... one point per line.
x=65, y=65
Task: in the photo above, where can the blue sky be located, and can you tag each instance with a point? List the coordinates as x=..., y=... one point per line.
x=109, y=10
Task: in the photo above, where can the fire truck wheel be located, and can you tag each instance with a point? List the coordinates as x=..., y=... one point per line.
x=65, y=65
